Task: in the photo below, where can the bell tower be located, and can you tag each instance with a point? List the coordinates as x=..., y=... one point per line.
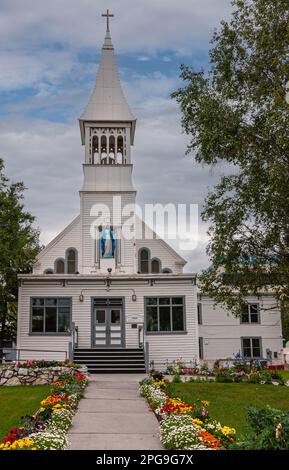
x=107, y=128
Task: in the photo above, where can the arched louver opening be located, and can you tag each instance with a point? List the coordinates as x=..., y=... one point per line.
x=71, y=261
x=111, y=149
x=167, y=271
x=59, y=266
x=119, y=157
x=156, y=266
x=103, y=151
x=95, y=150
x=144, y=260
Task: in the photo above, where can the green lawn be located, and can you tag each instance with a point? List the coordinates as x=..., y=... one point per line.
x=19, y=401
x=228, y=400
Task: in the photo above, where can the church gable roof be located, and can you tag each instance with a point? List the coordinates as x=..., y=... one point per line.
x=58, y=238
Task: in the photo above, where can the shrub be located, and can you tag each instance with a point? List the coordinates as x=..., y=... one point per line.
x=270, y=429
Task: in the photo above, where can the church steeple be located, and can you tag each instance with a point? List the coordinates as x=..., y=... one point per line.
x=107, y=115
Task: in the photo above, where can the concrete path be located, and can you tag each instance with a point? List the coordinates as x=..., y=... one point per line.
x=112, y=416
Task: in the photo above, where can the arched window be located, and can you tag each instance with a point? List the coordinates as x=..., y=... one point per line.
x=156, y=265
x=48, y=271
x=167, y=271
x=103, y=150
x=60, y=266
x=95, y=150
x=144, y=260
x=71, y=261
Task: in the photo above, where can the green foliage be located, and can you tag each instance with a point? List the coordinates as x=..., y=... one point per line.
x=19, y=246
x=237, y=117
x=270, y=429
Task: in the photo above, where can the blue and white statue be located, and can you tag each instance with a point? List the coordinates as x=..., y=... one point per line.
x=107, y=243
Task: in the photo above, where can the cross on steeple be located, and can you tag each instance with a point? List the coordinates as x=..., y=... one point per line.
x=107, y=15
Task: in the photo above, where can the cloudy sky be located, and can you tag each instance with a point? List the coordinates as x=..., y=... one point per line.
x=48, y=63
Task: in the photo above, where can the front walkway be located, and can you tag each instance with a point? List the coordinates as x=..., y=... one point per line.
x=113, y=416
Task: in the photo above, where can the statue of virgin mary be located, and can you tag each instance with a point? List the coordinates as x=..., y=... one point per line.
x=107, y=243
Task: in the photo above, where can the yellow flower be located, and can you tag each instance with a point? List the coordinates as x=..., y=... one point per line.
x=197, y=421
x=205, y=403
x=41, y=409
x=227, y=431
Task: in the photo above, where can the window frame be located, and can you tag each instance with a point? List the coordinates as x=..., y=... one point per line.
x=75, y=260
x=251, y=346
x=249, y=313
x=159, y=263
x=52, y=333
x=55, y=266
x=160, y=332
x=148, y=260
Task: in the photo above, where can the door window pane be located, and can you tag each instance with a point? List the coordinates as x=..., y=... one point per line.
x=152, y=300
x=63, y=319
x=178, y=318
x=164, y=301
x=115, y=317
x=50, y=319
x=152, y=319
x=50, y=301
x=177, y=301
x=165, y=319
x=100, y=317
x=37, y=320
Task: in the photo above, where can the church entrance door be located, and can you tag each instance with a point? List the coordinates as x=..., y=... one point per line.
x=107, y=324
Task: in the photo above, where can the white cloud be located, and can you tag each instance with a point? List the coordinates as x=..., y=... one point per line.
x=47, y=156
x=147, y=25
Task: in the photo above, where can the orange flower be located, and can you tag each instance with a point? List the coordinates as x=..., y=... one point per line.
x=210, y=440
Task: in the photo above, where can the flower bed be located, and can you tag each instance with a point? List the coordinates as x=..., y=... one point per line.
x=34, y=372
x=47, y=428
x=238, y=372
x=182, y=426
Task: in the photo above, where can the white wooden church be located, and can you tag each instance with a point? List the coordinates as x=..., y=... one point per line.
x=118, y=302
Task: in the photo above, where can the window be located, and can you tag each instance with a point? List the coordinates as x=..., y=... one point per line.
x=48, y=271
x=156, y=266
x=200, y=315
x=201, y=347
x=59, y=266
x=251, y=314
x=50, y=315
x=144, y=260
x=71, y=261
x=165, y=314
x=251, y=347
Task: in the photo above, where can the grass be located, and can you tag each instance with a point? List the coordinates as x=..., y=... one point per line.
x=228, y=401
x=19, y=401
x=285, y=374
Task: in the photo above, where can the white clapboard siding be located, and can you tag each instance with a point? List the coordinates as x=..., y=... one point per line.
x=162, y=347
x=70, y=237
x=222, y=332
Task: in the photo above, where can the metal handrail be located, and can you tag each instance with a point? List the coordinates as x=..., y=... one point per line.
x=18, y=350
x=141, y=333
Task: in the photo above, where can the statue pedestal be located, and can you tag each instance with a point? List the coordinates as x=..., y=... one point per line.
x=107, y=263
